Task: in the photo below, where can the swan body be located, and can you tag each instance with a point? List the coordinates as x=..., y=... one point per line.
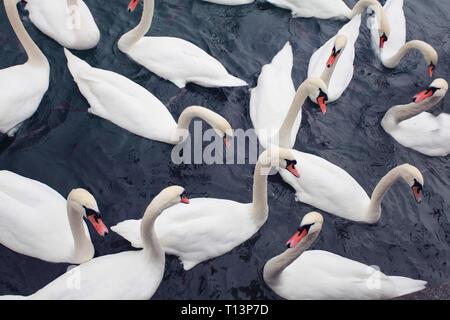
x=330, y=188
x=130, y=106
x=322, y=9
x=338, y=76
x=414, y=128
x=125, y=275
x=68, y=22
x=209, y=227
x=271, y=98
x=230, y=2
x=17, y=104
x=37, y=221
x=174, y=59
x=397, y=47
x=297, y=274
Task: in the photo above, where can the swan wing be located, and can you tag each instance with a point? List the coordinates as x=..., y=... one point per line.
x=322, y=9
x=122, y=101
x=271, y=99
x=180, y=61
x=318, y=274
x=56, y=20
x=327, y=187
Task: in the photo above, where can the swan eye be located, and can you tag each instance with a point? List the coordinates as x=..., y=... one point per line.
x=89, y=212
x=184, y=198
x=322, y=94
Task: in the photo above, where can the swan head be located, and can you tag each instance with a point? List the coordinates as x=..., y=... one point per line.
x=436, y=90
x=429, y=54
x=87, y=204
x=384, y=30
x=414, y=178
x=171, y=196
x=318, y=91
x=311, y=224
x=339, y=45
x=133, y=4
x=280, y=158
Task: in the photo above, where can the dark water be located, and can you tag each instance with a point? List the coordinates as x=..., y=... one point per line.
x=65, y=147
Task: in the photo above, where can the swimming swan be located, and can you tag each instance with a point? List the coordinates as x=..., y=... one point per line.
x=130, y=106
x=297, y=274
x=23, y=86
x=414, y=128
x=37, y=221
x=329, y=188
x=174, y=59
x=397, y=47
x=128, y=275
x=209, y=227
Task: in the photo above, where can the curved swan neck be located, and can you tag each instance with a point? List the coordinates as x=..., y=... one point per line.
x=399, y=113
x=150, y=241
x=35, y=55
x=285, y=131
x=374, y=211
x=422, y=46
x=84, y=249
x=260, y=206
x=361, y=5
x=189, y=114
x=130, y=38
x=276, y=265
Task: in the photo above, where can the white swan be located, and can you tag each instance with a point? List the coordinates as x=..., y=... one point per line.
x=230, y=2
x=333, y=61
x=397, y=47
x=23, y=86
x=68, y=22
x=410, y=126
x=297, y=274
x=276, y=110
x=131, y=107
x=128, y=275
x=37, y=221
x=174, y=59
x=211, y=227
x=329, y=188
x=322, y=9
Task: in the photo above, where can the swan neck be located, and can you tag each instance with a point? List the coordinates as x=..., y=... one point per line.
x=188, y=115
x=399, y=113
x=150, y=241
x=361, y=5
x=276, y=265
x=129, y=39
x=260, y=206
x=285, y=131
x=35, y=55
x=83, y=247
x=393, y=61
x=379, y=192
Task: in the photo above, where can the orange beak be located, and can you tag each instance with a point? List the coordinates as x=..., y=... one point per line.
x=417, y=191
x=332, y=59
x=227, y=142
x=133, y=4
x=431, y=69
x=299, y=235
x=184, y=199
x=98, y=225
x=292, y=169
x=423, y=95
x=322, y=103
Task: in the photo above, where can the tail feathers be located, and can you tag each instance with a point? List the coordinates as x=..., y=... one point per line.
x=74, y=63
x=130, y=230
x=284, y=59
x=407, y=285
